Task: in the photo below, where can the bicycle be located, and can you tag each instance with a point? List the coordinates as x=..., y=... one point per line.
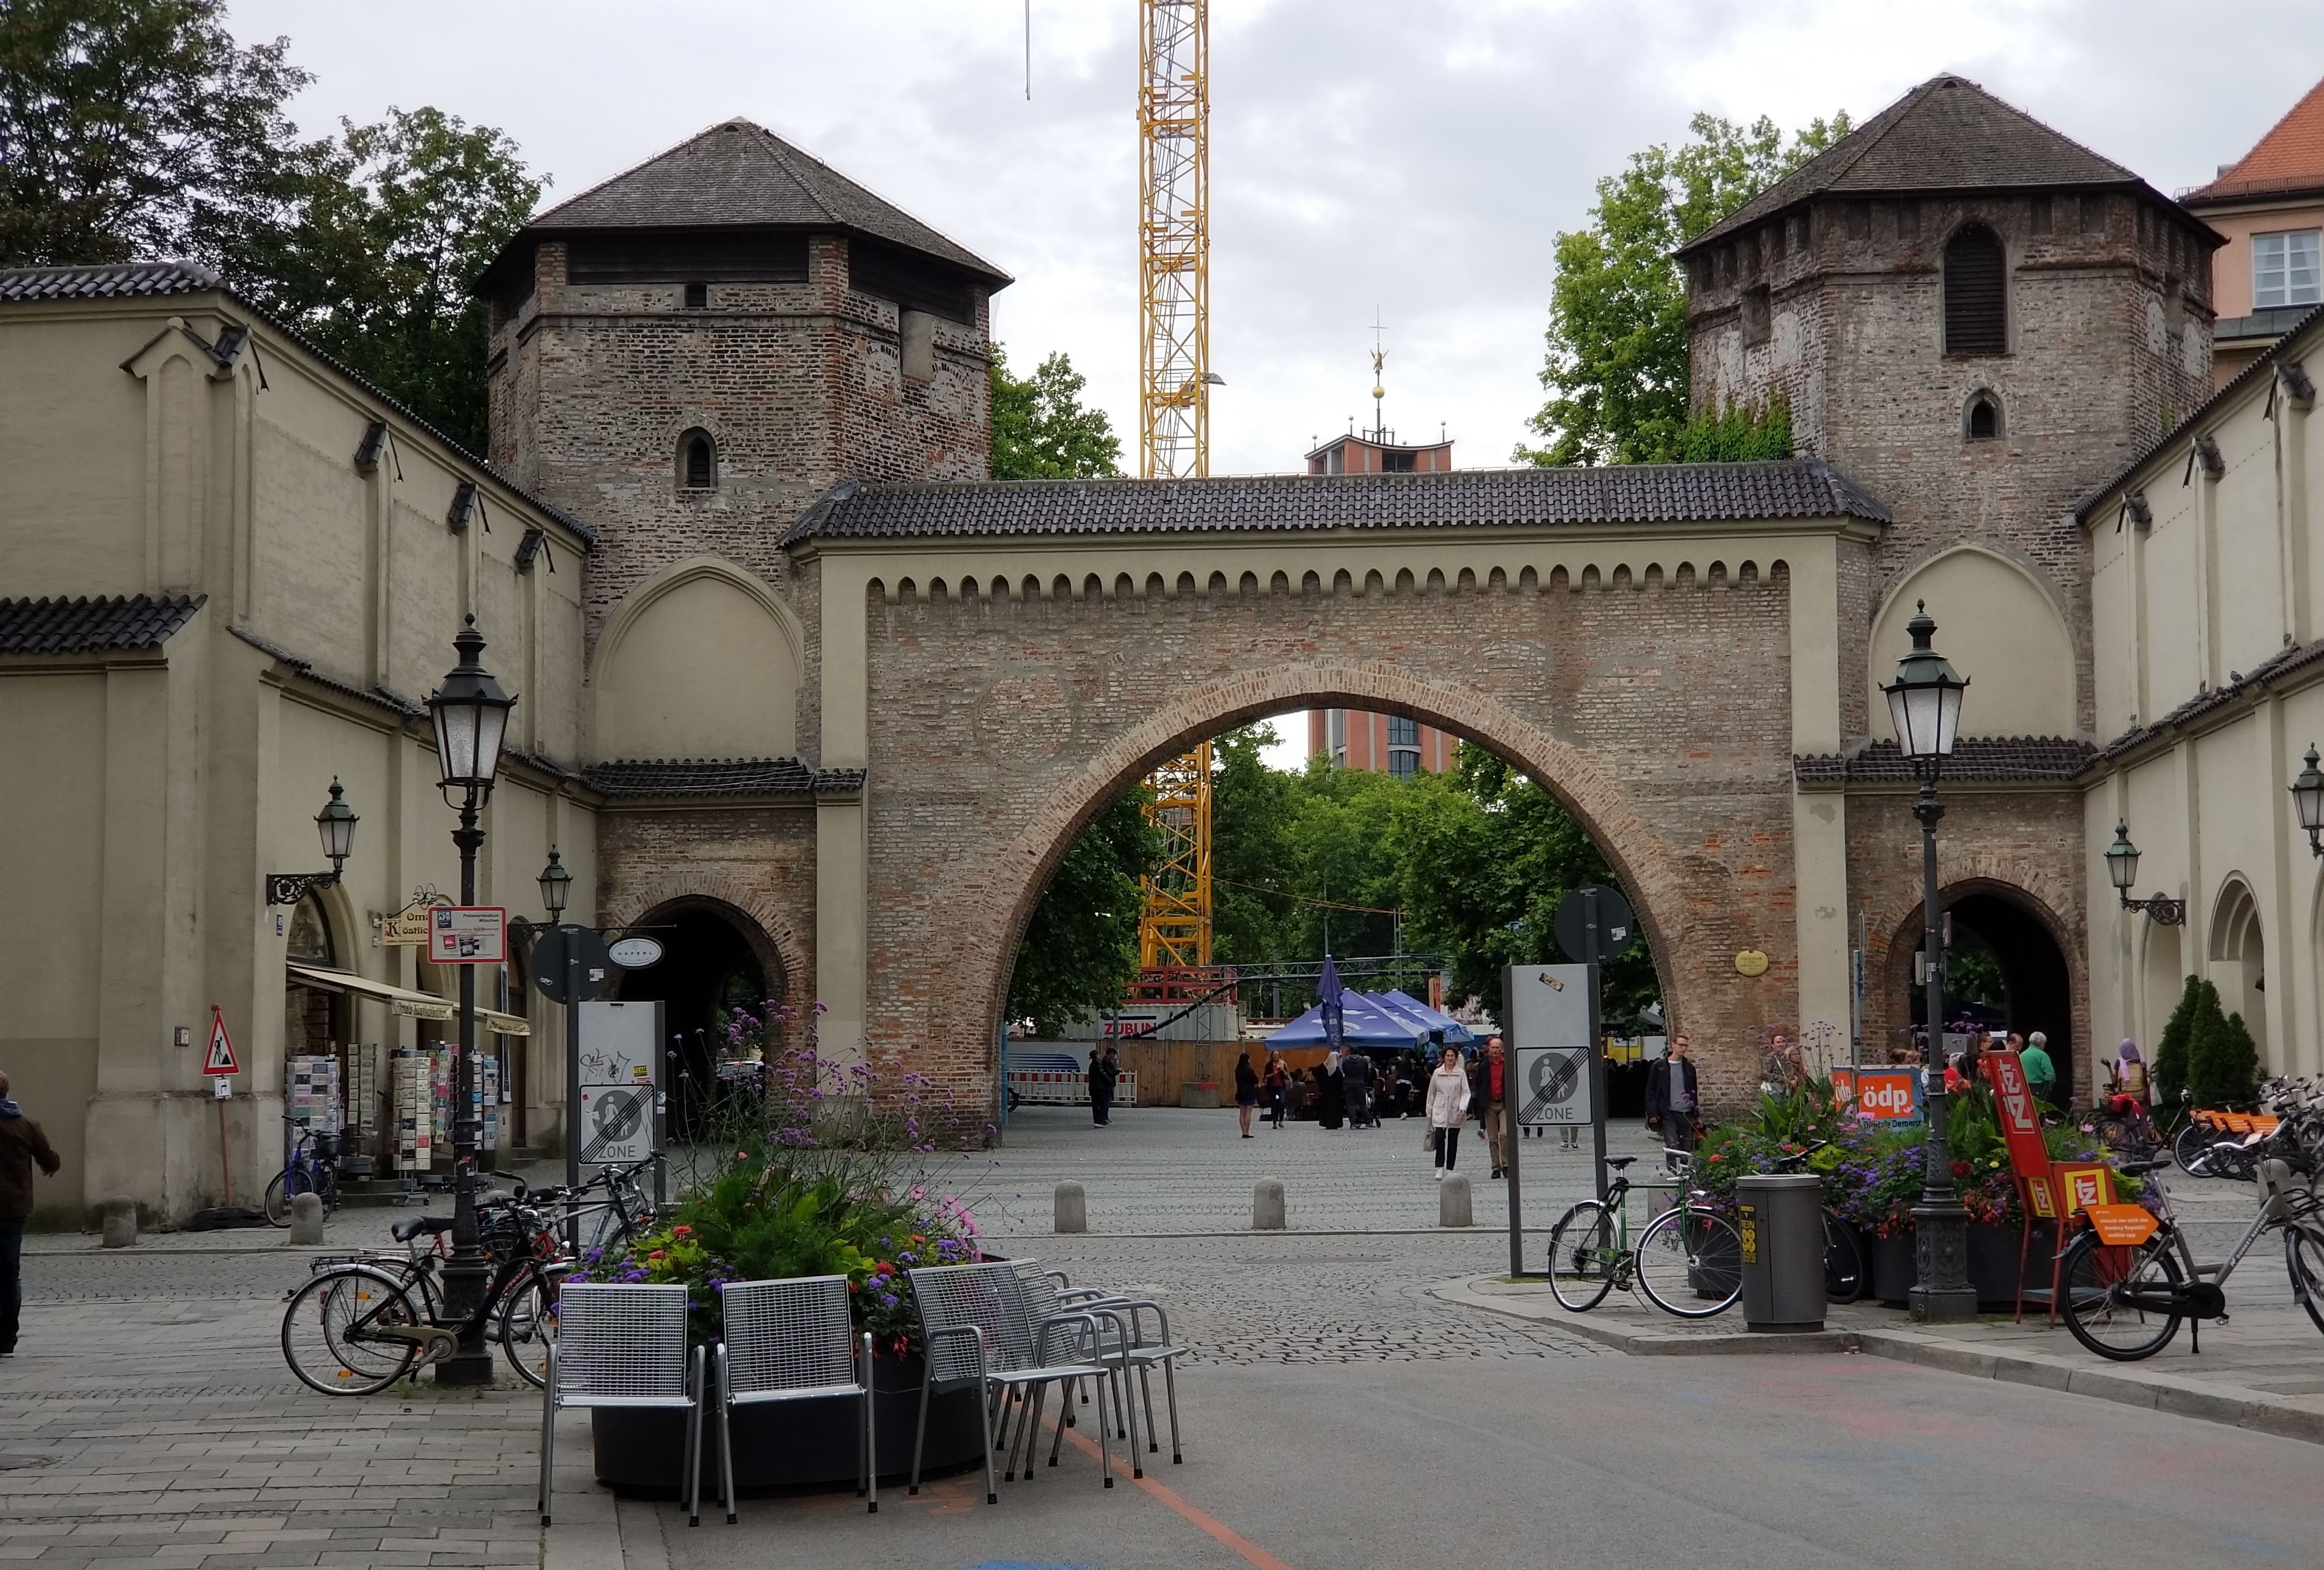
x=1688, y=1261
x=1844, y=1275
x=359, y=1325
x=313, y=1169
x=2129, y=1278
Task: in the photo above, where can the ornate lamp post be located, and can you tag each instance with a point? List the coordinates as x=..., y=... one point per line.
x=2308, y=798
x=337, y=824
x=2122, y=870
x=1925, y=704
x=471, y=714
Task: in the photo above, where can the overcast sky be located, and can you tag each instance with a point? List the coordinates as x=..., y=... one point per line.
x=1411, y=158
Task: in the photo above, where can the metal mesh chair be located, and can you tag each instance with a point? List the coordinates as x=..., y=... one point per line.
x=1141, y=1348
x=794, y=1341
x=978, y=1330
x=620, y=1345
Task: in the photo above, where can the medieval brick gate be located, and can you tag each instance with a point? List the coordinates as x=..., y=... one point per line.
x=1654, y=645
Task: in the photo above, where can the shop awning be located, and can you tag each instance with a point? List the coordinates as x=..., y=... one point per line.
x=404, y=1001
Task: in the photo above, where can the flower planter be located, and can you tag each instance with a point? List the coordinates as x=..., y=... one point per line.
x=1992, y=1266
x=792, y=1444
x=1893, y=1268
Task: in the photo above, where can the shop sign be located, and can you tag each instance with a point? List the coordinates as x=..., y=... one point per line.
x=408, y=927
x=468, y=935
x=1888, y=1094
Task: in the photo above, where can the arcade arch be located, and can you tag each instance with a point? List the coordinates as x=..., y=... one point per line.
x=714, y=959
x=2030, y=946
x=2239, y=958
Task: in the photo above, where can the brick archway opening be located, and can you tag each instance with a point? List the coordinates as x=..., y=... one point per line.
x=2026, y=943
x=1682, y=897
x=714, y=956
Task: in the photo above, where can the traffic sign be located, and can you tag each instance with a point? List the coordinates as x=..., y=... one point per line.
x=1616, y=925
x=616, y=1123
x=1552, y=1087
x=467, y=934
x=636, y=953
x=221, y=1059
x=579, y=947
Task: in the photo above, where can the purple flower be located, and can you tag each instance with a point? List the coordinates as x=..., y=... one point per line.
x=887, y=1299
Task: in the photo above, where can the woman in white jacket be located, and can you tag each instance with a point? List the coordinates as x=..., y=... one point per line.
x=1448, y=1109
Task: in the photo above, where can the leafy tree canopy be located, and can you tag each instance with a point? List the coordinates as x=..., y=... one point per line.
x=1041, y=428
x=141, y=130
x=1616, y=367
x=1080, y=952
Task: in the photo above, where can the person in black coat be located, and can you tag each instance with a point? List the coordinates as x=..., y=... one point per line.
x=1671, y=1099
x=1331, y=1095
x=1356, y=1088
x=1102, y=1072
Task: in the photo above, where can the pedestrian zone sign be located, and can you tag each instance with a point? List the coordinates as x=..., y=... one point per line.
x=221, y=1060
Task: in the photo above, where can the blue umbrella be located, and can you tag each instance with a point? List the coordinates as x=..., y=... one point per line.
x=1335, y=1018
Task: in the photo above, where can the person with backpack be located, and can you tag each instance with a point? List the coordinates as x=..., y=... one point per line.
x=22, y=1147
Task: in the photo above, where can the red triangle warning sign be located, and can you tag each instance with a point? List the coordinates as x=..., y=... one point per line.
x=221, y=1060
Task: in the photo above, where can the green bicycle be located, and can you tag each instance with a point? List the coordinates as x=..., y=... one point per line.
x=1688, y=1261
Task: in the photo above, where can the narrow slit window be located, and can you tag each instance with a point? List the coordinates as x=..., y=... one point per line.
x=1984, y=418
x=698, y=461
x=1977, y=293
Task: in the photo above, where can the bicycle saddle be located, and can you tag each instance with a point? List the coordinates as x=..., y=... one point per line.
x=411, y=1226
x=1618, y=1162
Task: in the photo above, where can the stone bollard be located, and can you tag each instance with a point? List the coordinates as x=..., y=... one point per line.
x=1266, y=1213
x=120, y=1223
x=306, y=1218
x=1072, y=1208
x=1453, y=1208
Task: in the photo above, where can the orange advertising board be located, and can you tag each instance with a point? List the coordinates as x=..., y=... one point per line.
x=2021, y=1118
x=1888, y=1094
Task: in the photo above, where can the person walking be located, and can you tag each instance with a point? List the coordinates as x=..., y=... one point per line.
x=1279, y=1090
x=1486, y=1090
x=1448, y=1109
x=1246, y=1090
x=1356, y=1085
x=22, y=1147
x=2041, y=1073
x=1671, y=1099
x=1330, y=1093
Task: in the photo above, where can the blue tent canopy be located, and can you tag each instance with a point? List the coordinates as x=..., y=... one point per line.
x=1456, y=1034
x=1374, y=1021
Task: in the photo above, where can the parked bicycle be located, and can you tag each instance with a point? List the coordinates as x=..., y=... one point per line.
x=313, y=1168
x=2129, y=1278
x=1687, y=1262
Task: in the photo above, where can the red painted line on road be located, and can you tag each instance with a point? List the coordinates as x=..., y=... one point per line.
x=1201, y=1520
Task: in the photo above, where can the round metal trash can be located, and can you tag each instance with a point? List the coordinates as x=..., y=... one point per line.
x=1781, y=1219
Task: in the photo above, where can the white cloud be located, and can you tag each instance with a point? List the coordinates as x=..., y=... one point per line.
x=1416, y=158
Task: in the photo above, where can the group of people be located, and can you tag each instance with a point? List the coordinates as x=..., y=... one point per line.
x=1350, y=1090
x=1961, y=1069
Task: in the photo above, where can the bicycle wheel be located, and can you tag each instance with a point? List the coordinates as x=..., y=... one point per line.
x=2094, y=1278
x=2192, y=1141
x=1581, y=1257
x=279, y=1191
x=2303, y=1261
x=526, y=1321
x=1843, y=1262
x=326, y=1331
x=1690, y=1262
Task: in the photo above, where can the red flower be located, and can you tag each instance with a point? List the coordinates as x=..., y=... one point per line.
x=1962, y=1168
x=681, y=1232
x=854, y=1286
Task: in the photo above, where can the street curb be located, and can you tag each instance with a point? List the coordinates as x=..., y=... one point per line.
x=2233, y=1407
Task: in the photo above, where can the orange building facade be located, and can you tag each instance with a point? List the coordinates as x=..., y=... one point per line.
x=2269, y=204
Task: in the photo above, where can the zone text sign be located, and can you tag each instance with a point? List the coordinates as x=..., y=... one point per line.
x=468, y=935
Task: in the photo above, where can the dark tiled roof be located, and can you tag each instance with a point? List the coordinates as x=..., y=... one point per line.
x=740, y=174
x=2262, y=365
x=130, y=280
x=384, y=697
x=1992, y=760
x=1621, y=493
x=1945, y=134
x=2239, y=684
x=86, y=626
x=719, y=777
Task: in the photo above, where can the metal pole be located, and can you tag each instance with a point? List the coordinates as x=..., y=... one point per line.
x=1597, y=1058
x=571, y=1082
x=1940, y=1234
x=466, y=1276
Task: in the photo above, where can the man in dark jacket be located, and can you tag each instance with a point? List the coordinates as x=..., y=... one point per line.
x=1356, y=1082
x=22, y=1145
x=1670, y=1103
x=1487, y=1093
x=1102, y=1072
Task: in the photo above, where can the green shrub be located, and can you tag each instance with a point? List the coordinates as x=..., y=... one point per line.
x=2222, y=1059
x=2170, y=1065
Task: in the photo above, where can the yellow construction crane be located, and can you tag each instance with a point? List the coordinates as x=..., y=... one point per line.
x=1174, y=423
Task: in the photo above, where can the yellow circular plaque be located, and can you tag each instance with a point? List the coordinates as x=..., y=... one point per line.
x=1751, y=962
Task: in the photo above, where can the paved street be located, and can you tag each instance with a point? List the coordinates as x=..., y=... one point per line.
x=1340, y=1412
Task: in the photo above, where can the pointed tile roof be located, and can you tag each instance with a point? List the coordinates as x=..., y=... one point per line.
x=1946, y=135
x=740, y=174
x=2289, y=158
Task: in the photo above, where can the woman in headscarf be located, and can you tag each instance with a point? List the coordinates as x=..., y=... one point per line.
x=2128, y=1076
x=1331, y=1095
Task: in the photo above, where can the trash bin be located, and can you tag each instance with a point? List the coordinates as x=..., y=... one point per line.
x=1781, y=1219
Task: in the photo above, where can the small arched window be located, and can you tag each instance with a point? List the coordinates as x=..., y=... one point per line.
x=1977, y=293
x=1982, y=421
x=698, y=461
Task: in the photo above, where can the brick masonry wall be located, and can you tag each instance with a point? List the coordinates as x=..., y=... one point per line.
x=757, y=863
x=1659, y=711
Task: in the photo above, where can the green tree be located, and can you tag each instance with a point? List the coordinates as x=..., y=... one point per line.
x=1617, y=365
x=1041, y=428
x=396, y=223
x=139, y=129
x=1080, y=952
x=1250, y=814
x=2222, y=1059
x=2170, y=1065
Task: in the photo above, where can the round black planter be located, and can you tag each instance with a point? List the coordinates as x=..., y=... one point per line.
x=1893, y=1268
x=1992, y=1266
x=792, y=1444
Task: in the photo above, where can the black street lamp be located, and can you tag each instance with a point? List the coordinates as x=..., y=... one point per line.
x=471, y=714
x=2122, y=870
x=2307, y=797
x=337, y=824
x=1925, y=704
